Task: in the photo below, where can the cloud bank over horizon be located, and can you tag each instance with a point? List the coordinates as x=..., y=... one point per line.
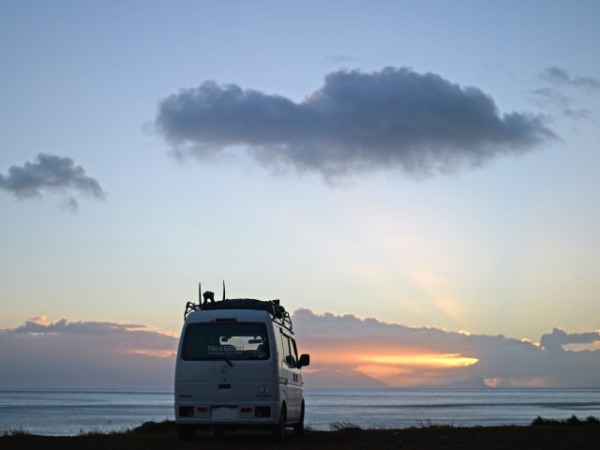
x=42, y=353
x=394, y=120
x=51, y=174
x=407, y=356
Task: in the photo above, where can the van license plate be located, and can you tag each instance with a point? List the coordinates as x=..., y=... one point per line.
x=223, y=413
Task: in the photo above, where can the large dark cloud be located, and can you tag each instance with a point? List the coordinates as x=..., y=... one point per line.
x=53, y=174
x=395, y=119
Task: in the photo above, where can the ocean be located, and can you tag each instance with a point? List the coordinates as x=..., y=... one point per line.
x=71, y=412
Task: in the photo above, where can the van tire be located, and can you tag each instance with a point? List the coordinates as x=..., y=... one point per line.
x=279, y=430
x=299, y=426
x=186, y=432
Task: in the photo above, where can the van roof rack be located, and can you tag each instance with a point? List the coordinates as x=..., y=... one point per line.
x=273, y=307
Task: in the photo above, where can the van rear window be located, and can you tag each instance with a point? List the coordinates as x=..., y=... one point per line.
x=225, y=341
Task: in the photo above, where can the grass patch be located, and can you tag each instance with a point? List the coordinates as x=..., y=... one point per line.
x=14, y=432
x=573, y=420
x=146, y=428
x=428, y=424
x=151, y=427
x=343, y=425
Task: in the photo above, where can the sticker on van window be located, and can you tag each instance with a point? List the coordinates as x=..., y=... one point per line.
x=224, y=349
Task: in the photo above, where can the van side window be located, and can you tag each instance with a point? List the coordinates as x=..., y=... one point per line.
x=290, y=355
x=293, y=350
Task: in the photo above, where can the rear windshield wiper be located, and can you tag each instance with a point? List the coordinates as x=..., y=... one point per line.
x=217, y=358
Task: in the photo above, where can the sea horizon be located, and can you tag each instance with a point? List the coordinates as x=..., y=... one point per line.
x=72, y=411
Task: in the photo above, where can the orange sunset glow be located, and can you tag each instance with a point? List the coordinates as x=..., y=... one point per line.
x=449, y=360
x=347, y=357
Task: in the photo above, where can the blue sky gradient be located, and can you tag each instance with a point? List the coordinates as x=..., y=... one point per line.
x=121, y=216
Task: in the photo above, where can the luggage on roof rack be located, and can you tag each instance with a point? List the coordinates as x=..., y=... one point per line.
x=277, y=312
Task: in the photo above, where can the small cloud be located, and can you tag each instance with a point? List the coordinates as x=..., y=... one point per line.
x=394, y=120
x=563, y=92
x=39, y=320
x=561, y=77
x=70, y=204
x=558, y=339
x=51, y=174
x=41, y=324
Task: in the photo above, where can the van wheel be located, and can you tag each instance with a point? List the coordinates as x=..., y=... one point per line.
x=186, y=432
x=279, y=430
x=299, y=427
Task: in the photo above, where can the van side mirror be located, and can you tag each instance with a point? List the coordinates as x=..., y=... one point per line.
x=304, y=361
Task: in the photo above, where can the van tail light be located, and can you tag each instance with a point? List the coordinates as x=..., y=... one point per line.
x=262, y=411
x=186, y=411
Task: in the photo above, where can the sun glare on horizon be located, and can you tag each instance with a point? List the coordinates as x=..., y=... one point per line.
x=442, y=360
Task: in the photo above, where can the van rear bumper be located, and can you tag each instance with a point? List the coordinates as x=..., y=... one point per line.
x=226, y=413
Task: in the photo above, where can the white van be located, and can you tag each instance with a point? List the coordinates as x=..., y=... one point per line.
x=237, y=365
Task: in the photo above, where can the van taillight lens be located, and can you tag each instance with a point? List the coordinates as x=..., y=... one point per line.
x=186, y=411
x=262, y=411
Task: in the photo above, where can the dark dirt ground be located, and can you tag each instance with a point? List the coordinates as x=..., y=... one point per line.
x=151, y=436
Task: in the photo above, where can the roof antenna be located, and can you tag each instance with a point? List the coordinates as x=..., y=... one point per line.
x=199, y=293
x=223, y=290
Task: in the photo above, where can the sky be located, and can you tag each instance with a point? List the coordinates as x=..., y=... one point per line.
x=423, y=173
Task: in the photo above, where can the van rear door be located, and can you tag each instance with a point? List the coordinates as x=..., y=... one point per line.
x=225, y=361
